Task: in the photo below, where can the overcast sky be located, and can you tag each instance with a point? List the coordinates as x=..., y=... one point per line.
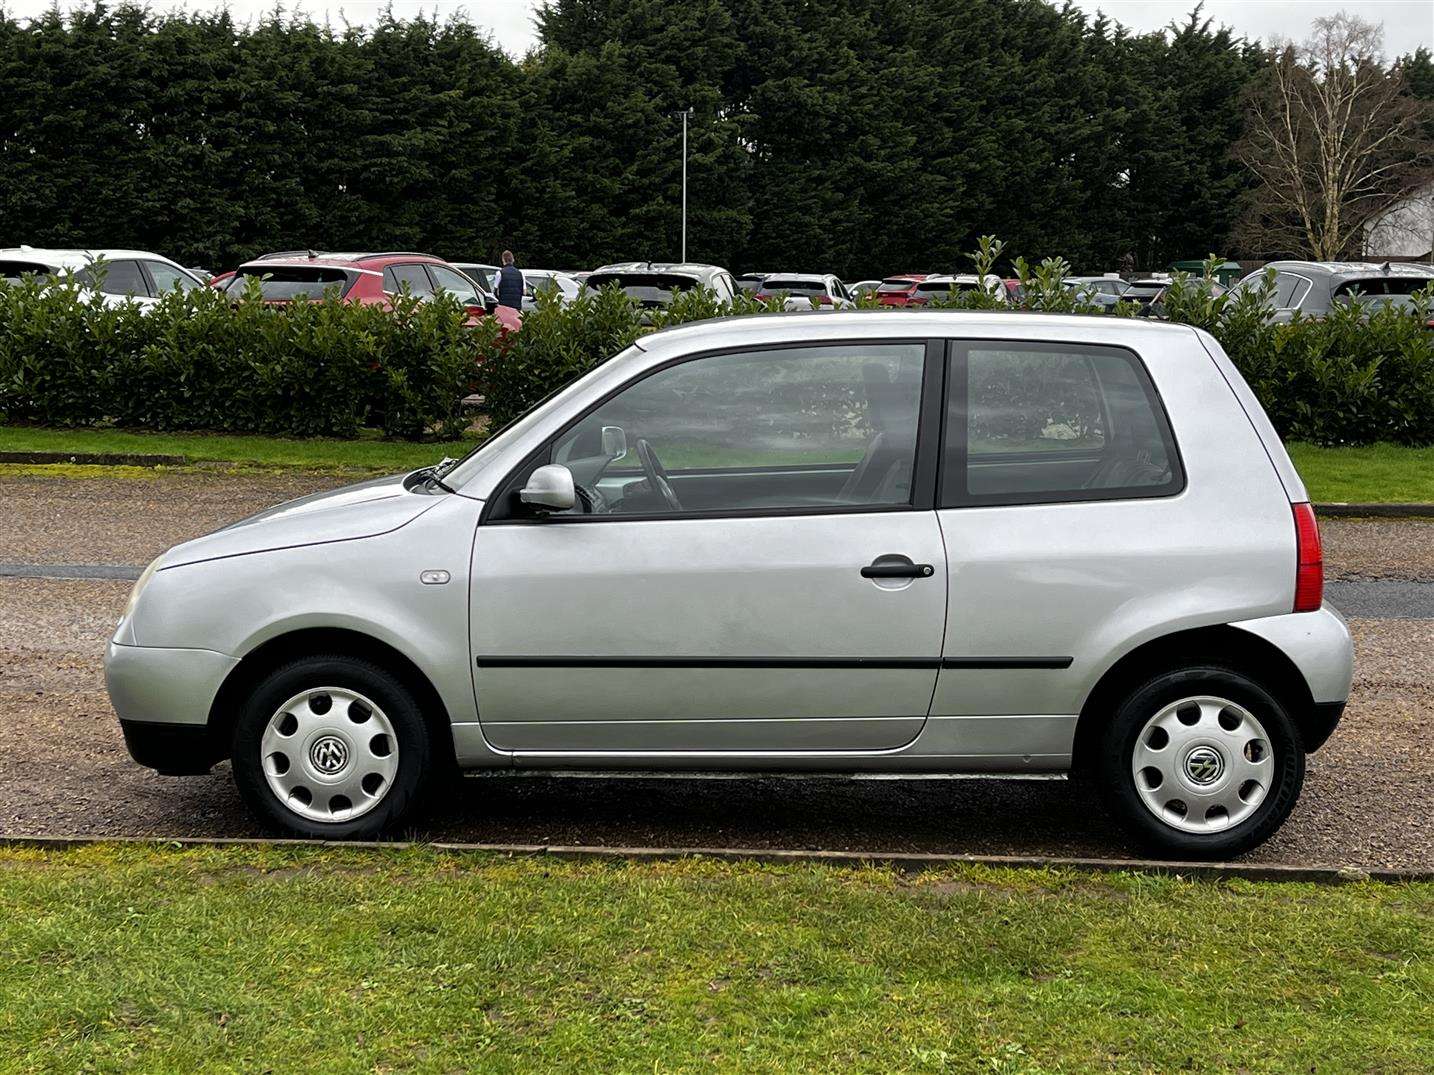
x=1407, y=23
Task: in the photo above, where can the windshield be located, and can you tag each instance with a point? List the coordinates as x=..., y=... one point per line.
x=279, y=283
x=795, y=286
x=11, y=271
x=888, y=287
x=648, y=289
x=486, y=451
x=942, y=287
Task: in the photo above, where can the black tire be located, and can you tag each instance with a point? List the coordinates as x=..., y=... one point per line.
x=1118, y=781
x=414, y=746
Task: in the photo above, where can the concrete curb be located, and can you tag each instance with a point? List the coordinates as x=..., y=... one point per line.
x=903, y=861
x=97, y=459
x=1375, y=511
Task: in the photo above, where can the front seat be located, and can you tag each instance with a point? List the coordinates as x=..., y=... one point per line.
x=884, y=473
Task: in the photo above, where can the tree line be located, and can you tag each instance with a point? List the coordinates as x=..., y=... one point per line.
x=856, y=136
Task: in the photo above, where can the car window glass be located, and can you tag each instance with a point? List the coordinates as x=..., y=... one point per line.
x=1054, y=422
x=395, y=276
x=456, y=284
x=811, y=427
x=166, y=278
x=14, y=270
x=1285, y=286
x=121, y=277
x=280, y=283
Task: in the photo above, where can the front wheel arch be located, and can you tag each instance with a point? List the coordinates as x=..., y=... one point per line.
x=315, y=641
x=1246, y=653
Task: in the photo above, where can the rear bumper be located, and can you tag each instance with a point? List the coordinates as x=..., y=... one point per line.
x=1320, y=725
x=1318, y=643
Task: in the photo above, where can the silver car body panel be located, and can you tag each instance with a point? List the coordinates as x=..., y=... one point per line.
x=757, y=644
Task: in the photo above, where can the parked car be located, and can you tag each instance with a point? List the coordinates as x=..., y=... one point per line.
x=897, y=290
x=1104, y=291
x=367, y=278
x=750, y=282
x=862, y=287
x=1145, y=290
x=1313, y=287
x=536, y=280
x=806, y=291
x=1015, y=290
x=480, y=272
x=119, y=275
x=947, y=284
x=990, y=543
x=653, y=284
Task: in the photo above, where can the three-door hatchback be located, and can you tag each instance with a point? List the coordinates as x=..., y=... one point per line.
x=926, y=543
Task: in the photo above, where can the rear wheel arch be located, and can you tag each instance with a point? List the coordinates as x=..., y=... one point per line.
x=1246, y=653
x=317, y=641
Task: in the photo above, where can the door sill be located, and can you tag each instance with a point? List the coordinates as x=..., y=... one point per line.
x=747, y=774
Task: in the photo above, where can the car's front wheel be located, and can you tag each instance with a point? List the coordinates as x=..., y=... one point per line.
x=1202, y=762
x=331, y=746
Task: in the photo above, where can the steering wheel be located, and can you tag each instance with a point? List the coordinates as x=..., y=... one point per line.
x=656, y=473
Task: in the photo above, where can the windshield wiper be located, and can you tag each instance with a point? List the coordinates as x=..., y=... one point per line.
x=435, y=474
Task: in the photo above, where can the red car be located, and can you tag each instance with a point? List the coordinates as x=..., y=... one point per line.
x=368, y=278
x=897, y=290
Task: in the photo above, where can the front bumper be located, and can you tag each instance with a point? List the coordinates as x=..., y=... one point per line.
x=163, y=698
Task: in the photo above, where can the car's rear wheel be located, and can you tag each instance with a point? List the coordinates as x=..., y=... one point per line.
x=1202, y=763
x=332, y=747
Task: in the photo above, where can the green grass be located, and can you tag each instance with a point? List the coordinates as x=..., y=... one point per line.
x=247, y=959
x=1381, y=472
x=1376, y=473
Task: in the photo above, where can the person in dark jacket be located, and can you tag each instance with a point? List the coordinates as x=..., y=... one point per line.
x=510, y=283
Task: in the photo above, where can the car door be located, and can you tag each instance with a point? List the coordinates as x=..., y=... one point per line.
x=164, y=278
x=122, y=279
x=755, y=564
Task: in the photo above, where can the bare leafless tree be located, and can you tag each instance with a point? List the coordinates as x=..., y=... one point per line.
x=1333, y=140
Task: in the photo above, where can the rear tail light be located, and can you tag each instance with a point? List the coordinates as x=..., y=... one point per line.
x=1309, y=561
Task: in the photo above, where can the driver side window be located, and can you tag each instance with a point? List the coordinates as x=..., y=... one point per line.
x=784, y=429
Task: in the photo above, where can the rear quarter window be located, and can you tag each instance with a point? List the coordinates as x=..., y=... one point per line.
x=1031, y=423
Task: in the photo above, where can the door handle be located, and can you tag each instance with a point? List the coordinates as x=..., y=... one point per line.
x=896, y=567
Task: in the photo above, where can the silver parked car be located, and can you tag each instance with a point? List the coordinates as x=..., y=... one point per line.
x=1006, y=544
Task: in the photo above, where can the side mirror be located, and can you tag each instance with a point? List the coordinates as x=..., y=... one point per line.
x=490, y=301
x=550, y=487
x=614, y=442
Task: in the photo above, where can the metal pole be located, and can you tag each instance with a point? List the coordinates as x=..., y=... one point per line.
x=685, y=113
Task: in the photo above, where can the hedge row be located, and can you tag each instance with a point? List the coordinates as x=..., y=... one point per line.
x=197, y=361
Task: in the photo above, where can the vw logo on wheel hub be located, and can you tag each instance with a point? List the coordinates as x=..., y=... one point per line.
x=329, y=754
x=1204, y=766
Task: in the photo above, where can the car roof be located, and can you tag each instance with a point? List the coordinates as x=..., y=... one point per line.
x=1350, y=268
x=913, y=323
x=673, y=268
x=345, y=259
x=955, y=278
x=74, y=258
x=815, y=277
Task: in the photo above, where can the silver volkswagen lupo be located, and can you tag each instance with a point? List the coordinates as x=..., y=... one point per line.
x=900, y=543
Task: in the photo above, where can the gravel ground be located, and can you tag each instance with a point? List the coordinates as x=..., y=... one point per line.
x=1368, y=799
x=132, y=520
x=1378, y=548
